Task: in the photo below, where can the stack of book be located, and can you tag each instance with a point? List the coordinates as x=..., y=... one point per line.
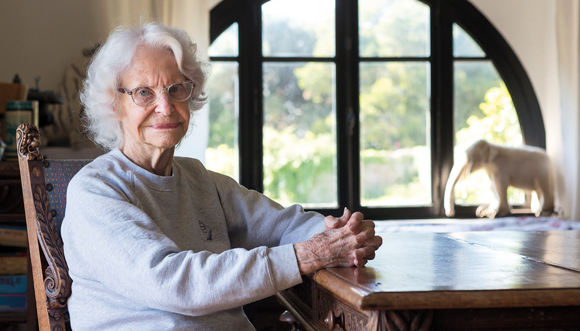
x=13, y=268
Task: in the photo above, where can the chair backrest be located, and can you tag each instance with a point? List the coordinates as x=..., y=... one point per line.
x=44, y=184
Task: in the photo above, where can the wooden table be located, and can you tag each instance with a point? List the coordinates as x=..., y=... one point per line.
x=449, y=281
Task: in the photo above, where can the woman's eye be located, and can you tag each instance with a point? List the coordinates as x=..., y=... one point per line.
x=144, y=93
x=175, y=89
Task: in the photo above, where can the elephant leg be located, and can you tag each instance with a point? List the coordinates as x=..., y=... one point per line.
x=538, y=210
x=459, y=170
x=527, y=199
x=503, y=208
x=490, y=211
x=485, y=211
x=545, y=197
x=500, y=207
x=548, y=207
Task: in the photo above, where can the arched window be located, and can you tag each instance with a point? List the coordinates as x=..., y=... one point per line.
x=364, y=104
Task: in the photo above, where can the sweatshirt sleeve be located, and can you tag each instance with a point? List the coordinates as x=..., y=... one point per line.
x=111, y=243
x=255, y=220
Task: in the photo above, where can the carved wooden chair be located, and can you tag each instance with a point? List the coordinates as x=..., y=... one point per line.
x=44, y=184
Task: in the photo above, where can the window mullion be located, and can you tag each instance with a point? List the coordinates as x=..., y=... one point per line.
x=347, y=103
x=441, y=100
x=251, y=109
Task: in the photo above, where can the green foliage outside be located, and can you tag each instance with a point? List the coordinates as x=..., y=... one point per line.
x=391, y=28
x=299, y=170
x=222, y=151
x=499, y=123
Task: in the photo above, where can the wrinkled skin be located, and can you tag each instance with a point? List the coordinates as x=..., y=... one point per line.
x=345, y=242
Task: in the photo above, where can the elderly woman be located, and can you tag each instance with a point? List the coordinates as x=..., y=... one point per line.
x=157, y=242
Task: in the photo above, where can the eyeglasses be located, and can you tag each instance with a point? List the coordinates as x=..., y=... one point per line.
x=146, y=96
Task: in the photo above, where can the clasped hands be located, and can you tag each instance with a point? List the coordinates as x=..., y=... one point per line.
x=345, y=242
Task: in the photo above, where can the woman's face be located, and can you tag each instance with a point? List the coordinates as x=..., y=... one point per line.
x=162, y=125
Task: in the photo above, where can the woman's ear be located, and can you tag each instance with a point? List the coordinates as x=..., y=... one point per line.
x=117, y=111
x=117, y=115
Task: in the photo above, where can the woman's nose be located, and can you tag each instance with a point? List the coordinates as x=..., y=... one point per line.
x=164, y=105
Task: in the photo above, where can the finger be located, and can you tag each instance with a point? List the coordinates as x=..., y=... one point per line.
x=365, y=252
x=366, y=226
x=355, y=221
x=345, y=217
x=365, y=235
x=330, y=222
x=369, y=223
x=360, y=262
x=375, y=242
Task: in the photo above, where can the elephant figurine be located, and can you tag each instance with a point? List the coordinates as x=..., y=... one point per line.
x=527, y=168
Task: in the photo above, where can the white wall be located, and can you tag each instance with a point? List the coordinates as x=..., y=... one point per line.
x=39, y=38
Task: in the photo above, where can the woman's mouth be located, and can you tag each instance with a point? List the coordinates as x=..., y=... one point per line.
x=165, y=126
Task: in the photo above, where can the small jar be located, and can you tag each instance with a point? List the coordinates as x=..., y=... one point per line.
x=18, y=112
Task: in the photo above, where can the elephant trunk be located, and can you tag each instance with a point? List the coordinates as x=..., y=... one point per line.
x=458, y=170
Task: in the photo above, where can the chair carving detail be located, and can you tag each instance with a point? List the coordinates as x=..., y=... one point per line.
x=28, y=138
x=57, y=283
x=56, y=280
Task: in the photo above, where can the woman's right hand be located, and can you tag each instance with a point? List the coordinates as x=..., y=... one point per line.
x=340, y=245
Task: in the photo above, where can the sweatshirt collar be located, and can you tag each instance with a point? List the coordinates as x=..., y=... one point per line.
x=153, y=181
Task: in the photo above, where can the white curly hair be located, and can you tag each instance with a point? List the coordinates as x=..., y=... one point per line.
x=99, y=93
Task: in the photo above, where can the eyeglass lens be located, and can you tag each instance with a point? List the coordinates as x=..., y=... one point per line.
x=145, y=96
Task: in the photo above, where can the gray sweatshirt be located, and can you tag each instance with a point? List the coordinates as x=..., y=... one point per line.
x=180, y=252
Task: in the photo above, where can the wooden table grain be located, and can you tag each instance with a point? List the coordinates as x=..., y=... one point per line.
x=450, y=281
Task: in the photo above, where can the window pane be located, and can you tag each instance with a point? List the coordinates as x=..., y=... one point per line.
x=226, y=44
x=393, y=28
x=483, y=110
x=222, y=152
x=300, y=133
x=395, y=134
x=464, y=45
x=298, y=28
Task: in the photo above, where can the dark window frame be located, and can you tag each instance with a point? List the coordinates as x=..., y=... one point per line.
x=247, y=13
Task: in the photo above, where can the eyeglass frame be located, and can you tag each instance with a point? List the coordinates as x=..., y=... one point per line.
x=164, y=89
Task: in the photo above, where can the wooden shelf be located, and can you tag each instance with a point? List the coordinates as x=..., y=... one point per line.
x=11, y=203
x=10, y=317
x=13, y=218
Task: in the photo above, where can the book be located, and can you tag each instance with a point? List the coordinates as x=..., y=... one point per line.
x=13, y=236
x=13, y=284
x=13, y=263
x=12, y=302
